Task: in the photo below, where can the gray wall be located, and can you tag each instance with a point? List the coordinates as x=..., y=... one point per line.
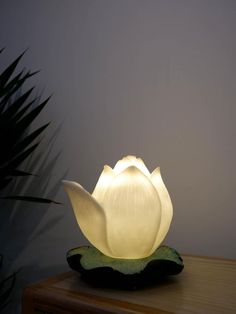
x=150, y=78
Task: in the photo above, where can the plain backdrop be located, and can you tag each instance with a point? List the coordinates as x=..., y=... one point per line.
x=151, y=78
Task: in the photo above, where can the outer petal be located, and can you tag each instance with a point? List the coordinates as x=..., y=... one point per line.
x=133, y=212
x=103, y=183
x=129, y=161
x=89, y=214
x=166, y=205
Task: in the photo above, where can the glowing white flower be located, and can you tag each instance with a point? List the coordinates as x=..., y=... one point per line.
x=129, y=212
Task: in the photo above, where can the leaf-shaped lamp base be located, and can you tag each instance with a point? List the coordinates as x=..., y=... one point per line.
x=100, y=270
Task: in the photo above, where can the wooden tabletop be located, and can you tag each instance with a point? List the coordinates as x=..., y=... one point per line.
x=206, y=285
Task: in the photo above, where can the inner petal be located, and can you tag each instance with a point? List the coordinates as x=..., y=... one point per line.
x=129, y=161
x=167, y=208
x=133, y=212
x=103, y=183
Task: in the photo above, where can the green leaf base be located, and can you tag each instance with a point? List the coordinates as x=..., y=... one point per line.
x=104, y=271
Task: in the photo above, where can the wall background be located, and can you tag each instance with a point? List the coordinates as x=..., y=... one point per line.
x=150, y=78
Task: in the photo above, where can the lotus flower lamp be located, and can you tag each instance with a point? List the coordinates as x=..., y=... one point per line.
x=126, y=218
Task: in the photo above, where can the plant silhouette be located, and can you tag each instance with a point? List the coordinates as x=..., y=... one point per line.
x=25, y=172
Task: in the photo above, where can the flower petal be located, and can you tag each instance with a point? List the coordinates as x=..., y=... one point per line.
x=103, y=183
x=89, y=215
x=166, y=204
x=129, y=161
x=133, y=211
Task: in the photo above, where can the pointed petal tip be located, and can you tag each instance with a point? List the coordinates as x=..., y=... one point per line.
x=156, y=171
x=107, y=167
x=67, y=183
x=131, y=157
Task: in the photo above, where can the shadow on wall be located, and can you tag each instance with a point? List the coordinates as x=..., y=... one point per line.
x=20, y=222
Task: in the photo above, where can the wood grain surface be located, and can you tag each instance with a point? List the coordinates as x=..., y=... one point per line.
x=206, y=285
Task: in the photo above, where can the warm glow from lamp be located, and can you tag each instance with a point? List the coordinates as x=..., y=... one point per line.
x=129, y=212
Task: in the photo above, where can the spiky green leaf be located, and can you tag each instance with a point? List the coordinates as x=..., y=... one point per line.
x=7, y=73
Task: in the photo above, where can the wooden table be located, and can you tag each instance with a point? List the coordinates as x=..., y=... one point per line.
x=205, y=286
